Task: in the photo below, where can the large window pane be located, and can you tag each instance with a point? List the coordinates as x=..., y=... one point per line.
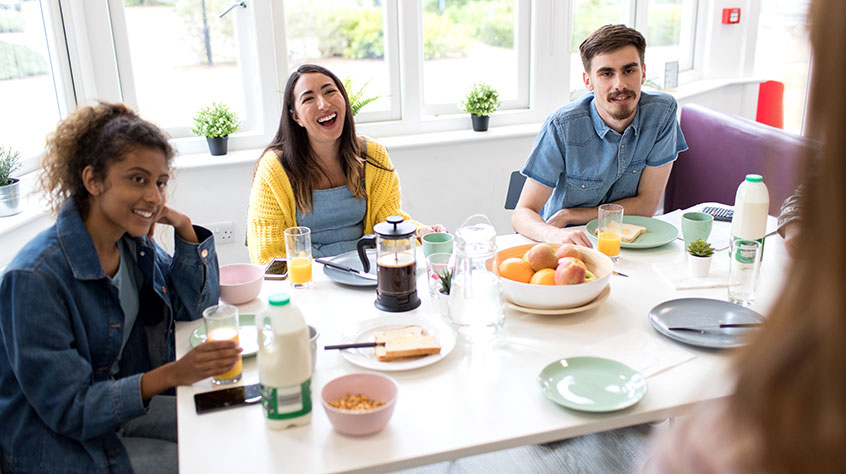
x=670, y=35
x=588, y=15
x=345, y=36
x=27, y=87
x=183, y=57
x=466, y=42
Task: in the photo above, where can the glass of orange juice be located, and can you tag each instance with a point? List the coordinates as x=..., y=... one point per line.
x=222, y=325
x=298, y=250
x=610, y=230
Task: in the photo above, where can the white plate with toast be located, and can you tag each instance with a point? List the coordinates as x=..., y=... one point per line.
x=655, y=233
x=411, y=334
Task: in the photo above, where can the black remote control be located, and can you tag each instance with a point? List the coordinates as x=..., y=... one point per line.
x=719, y=213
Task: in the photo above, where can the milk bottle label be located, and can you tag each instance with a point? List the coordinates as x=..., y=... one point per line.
x=282, y=403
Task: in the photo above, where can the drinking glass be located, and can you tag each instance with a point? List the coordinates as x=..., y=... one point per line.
x=298, y=250
x=744, y=266
x=610, y=230
x=437, y=264
x=222, y=325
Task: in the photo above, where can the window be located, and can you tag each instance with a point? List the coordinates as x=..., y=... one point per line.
x=670, y=27
x=470, y=41
x=350, y=38
x=31, y=77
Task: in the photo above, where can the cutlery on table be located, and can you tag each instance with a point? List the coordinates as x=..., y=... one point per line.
x=354, y=345
x=715, y=326
x=619, y=274
x=345, y=268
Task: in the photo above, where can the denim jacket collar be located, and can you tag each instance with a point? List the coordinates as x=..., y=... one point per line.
x=602, y=128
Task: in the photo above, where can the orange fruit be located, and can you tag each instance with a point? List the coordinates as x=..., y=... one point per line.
x=516, y=269
x=545, y=276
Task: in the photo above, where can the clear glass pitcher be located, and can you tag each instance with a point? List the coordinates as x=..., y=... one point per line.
x=475, y=301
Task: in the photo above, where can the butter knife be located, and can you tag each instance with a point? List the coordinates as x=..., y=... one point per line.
x=716, y=326
x=345, y=268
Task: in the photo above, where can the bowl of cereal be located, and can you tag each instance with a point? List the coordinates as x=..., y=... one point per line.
x=359, y=404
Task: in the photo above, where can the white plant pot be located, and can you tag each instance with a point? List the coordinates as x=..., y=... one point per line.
x=10, y=198
x=698, y=266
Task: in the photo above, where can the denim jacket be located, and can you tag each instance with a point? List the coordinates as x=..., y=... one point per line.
x=61, y=332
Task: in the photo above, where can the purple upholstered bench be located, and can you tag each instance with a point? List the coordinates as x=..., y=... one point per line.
x=723, y=149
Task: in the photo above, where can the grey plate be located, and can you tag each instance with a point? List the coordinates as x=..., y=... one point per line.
x=704, y=312
x=351, y=259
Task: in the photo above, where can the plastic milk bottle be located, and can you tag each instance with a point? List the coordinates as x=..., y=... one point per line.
x=284, y=363
x=750, y=210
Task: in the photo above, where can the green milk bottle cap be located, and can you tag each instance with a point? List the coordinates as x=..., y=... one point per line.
x=279, y=299
x=754, y=178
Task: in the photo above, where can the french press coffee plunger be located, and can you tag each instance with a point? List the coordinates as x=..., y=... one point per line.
x=396, y=266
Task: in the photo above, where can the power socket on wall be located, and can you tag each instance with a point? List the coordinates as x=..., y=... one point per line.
x=224, y=232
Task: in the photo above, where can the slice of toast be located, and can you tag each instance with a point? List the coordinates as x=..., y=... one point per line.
x=629, y=232
x=408, y=341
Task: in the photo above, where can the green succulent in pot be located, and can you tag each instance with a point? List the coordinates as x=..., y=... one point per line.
x=700, y=248
x=481, y=101
x=216, y=122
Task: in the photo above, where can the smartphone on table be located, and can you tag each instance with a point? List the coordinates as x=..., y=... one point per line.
x=227, y=398
x=276, y=270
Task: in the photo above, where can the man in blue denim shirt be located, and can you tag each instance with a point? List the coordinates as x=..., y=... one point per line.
x=616, y=144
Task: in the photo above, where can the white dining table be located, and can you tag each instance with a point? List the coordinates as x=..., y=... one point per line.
x=480, y=397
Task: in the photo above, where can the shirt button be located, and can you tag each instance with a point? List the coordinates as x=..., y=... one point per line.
x=164, y=290
x=634, y=171
x=583, y=186
x=622, y=146
x=141, y=253
x=204, y=253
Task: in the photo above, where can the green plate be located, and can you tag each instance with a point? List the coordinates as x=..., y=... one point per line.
x=657, y=233
x=592, y=384
x=247, y=334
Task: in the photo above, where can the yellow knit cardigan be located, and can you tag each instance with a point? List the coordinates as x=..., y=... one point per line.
x=273, y=207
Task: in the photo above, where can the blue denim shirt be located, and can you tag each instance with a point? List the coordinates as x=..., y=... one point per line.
x=588, y=164
x=61, y=331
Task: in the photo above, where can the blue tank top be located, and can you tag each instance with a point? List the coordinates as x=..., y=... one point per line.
x=336, y=220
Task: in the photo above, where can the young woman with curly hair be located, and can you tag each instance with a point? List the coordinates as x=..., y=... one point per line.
x=87, y=308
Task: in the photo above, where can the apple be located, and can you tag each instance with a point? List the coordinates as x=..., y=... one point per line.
x=541, y=256
x=569, y=272
x=568, y=250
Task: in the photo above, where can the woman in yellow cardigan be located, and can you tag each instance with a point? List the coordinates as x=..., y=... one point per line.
x=318, y=173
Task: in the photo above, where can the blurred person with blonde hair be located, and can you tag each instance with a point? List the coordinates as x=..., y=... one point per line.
x=788, y=412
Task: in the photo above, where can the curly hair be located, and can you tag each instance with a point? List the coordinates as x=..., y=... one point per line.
x=97, y=136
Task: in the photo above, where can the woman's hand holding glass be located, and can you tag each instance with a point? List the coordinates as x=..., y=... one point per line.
x=206, y=360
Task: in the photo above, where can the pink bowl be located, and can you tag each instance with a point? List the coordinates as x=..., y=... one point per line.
x=240, y=282
x=357, y=423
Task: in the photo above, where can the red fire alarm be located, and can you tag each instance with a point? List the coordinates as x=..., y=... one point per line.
x=731, y=15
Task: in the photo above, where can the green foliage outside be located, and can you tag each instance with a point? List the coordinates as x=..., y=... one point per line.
x=664, y=25
x=491, y=23
x=481, y=99
x=215, y=121
x=11, y=22
x=356, y=95
x=443, y=38
x=9, y=163
x=354, y=33
x=18, y=61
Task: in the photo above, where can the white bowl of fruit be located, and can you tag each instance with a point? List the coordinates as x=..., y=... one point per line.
x=552, y=276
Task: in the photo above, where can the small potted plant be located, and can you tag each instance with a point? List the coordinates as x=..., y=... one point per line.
x=480, y=102
x=700, y=258
x=10, y=191
x=215, y=122
x=445, y=277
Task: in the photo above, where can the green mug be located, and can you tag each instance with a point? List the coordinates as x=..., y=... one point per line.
x=437, y=242
x=696, y=225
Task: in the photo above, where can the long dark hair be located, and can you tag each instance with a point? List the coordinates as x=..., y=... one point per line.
x=293, y=148
x=791, y=387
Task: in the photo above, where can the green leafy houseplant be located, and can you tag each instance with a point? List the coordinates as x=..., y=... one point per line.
x=481, y=99
x=445, y=277
x=9, y=163
x=356, y=95
x=215, y=121
x=700, y=248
